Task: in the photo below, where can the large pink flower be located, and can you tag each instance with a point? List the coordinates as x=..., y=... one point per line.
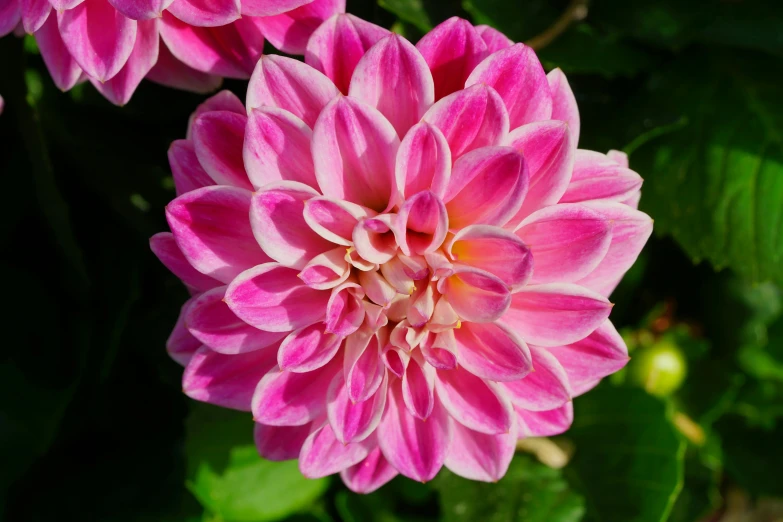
x=117, y=43
x=398, y=257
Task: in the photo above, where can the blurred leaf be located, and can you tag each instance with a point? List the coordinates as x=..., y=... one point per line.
x=700, y=493
x=229, y=478
x=411, y=11
x=629, y=457
x=716, y=184
x=519, y=21
x=530, y=492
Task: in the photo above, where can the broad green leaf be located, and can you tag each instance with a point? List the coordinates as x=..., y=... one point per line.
x=229, y=478
x=530, y=492
x=715, y=183
x=752, y=455
x=411, y=11
x=629, y=457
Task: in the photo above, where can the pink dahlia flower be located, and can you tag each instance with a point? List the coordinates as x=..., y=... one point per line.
x=407, y=274
x=117, y=43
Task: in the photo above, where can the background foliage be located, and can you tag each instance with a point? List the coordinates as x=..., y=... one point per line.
x=94, y=426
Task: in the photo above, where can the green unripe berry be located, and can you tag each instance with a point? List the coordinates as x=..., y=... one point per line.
x=660, y=369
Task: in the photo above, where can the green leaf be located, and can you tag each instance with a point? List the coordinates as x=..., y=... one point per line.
x=411, y=11
x=629, y=457
x=530, y=492
x=519, y=21
x=716, y=183
x=229, y=478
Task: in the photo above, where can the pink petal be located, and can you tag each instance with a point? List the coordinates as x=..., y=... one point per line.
x=293, y=399
x=478, y=456
x=270, y=7
x=345, y=311
x=10, y=16
x=354, y=149
x=277, y=148
x=364, y=371
x=327, y=270
x=308, y=349
x=596, y=176
x=121, y=86
x=211, y=321
x=586, y=362
x=213, y=231
x=228, y=50
x=494, y=39
x=164, y=246
x=471, y=118
x=225, y=100
x=354, y=421
x=630, y=231
x=393, y=77
x=516, y=74
x=493, y=250
x=278, y=443
x=370, y=474
x=416, y=448
x=492, y=351
x=475, y=295
x=226, y=380
x=473, y=402
x=549, y=154
x=62, y=66
x=563, y=102
x=619, y=157
x=452, y=50
x=323, y=454
x=440, y=350
x=187, y=172
x=34, y=14
x=567, y=241
x=333, y=219
x=422, y=224
x=378, y=290
x=206, y=13
x=338, y=44
x=98, y=37
x=418, y=389
x=290, y=31
x=545, y=423
x=181, y=345
x=62, y=5
x=171, y=72
x=487, y=186
x=374, y=239
x=556, y=314
x=289, y=84
x=271, y=297
x=218, y=138
x=141, y=9
x=423, y=161
x=545, y=388
x=276, y=215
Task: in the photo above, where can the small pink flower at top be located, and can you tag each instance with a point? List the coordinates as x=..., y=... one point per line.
x=398, y=257
x=117, y=43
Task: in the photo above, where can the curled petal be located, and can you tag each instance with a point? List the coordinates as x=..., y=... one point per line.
x=418, y=389
x=338, y=44
x=374, y=239
x=277, y=148
x=218, y=138
x=164, y=246
x=290, y=31
x=344, y=311
x=394, y=78
x=423, y=161
x=494, y=39
x=211, y=321
x=278, y=443
x=271, y=297
x=421, y=305
x=323, y=454
x=293, y=399
x=226, y=380
x=568, y=241
x=545, y=423
x=493, y=250
x=440, y=350
x=452, y=50
x=546, y=388
x=333, y=219
x=354, y=149
x=471, y=118
x=307, y=349
x=487, y=186
x=206, y=13
x=422, y=224
x=564, y=106
x=212, y=230
x=444, y=317
x=59, y=61
x=475, y=295
x=326, y=271
x=556, y=314
x=378, y=290
x=492, y=351
x=399, y=276
x=364, y=371
x=181, y=345
x=395, y=359
x=473, y=402
x=354, y=421
x=596, y=176
x=549, y=154
x=290, y=85
x=370, y=474
x=478, y=456
x=276, y=216
x=416, y=448
x=517, y=75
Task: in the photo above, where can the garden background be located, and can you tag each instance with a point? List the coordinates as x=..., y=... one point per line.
x=94, y=426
